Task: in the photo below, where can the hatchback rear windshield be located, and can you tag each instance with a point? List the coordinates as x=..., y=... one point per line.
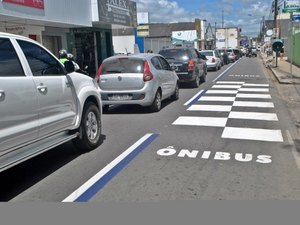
x=123, y=65
x=207, y=53
x=175, y=54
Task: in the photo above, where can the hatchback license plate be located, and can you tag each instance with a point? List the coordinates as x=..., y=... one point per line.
x=120, y=97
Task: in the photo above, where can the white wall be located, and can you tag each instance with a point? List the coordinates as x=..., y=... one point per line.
x=121, y=43
x=70, y=12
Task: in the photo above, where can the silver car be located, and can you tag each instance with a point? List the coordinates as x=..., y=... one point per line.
x=141, y=79
x=214, y=59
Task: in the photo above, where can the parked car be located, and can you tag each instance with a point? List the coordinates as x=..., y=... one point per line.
x=231, y=55
x=214, y=59
x=254, y=51
x=189, y=65
x=142, y=79
x=224, y=55
x=42, y=105
x=237, y=52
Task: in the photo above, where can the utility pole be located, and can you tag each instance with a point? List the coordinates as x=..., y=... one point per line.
x=275, y=26
x=275, y=13
x=222, y=18
x=215, y=34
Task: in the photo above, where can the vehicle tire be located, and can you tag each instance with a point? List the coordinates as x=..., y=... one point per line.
x=90, y=128
x=175, y=96
x=156, y=105
x=196, y=82
x=203, y=78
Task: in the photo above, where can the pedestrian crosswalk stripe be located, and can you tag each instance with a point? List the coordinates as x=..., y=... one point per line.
x=222, y=92
x=201, y=121
x=256, y=85
x=262, y=96
x=253, y=134
x=253, y=116
x=253, y=104
x=230, y=82
x=254, y=89
x=239, y=75
x=227, y=86
x=217, y=99
x=214, y=108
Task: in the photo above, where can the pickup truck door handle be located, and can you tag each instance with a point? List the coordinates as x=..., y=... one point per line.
x=43, y=89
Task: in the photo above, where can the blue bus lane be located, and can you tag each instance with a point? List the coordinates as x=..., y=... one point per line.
x=229, y=143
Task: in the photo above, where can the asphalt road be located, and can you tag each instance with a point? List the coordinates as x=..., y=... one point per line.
x=232, y=138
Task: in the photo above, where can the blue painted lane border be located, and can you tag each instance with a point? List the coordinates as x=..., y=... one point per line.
x=104, y=179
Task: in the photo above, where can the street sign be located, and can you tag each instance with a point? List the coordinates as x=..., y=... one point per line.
x=291, y=6
x=143, y=31
x=296, y=17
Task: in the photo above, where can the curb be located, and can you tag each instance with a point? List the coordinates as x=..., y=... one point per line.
x=281, y=81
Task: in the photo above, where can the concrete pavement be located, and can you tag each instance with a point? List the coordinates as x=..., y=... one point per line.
x=289, y=76
x=284, y=72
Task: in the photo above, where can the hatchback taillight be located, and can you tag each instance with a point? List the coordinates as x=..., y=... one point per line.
x=213, y=60
x=99, y=73
x=191, y=66
x=147, y=72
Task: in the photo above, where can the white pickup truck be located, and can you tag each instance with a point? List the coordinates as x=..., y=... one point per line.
x=42, y=105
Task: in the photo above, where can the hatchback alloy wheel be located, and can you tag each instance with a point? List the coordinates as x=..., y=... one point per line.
x=156, y=105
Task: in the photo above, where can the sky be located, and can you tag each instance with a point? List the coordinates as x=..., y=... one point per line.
x=245, y=14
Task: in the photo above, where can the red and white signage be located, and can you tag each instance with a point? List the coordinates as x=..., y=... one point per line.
x=38, y=4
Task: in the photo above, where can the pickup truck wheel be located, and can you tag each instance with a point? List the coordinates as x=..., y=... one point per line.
x=90, y=128
x=175, y=96
x=196, y=82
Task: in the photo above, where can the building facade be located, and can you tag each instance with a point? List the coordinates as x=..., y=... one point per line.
x=82, y=27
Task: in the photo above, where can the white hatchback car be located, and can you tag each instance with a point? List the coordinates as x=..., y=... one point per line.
x=141, y=79
x=214, y=59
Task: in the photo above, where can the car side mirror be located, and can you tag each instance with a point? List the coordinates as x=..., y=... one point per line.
x=69, y=66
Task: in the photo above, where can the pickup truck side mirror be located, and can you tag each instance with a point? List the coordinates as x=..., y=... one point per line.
x=69, y=66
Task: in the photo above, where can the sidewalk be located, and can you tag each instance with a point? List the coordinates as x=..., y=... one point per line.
x=283, y=70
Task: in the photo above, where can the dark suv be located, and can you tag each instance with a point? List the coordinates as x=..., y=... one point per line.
x=188, y=63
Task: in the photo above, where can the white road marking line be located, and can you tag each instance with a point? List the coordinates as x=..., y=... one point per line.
x=193, y=98
x=253, y=104
x=201, y=121
x=254, y=89
x=72, y=197
x=253, y=134
x=222, y=92
x=214, y=108
x=256, y=85
x=217, y=99
x=224, y=72
x=253, y=116
x=263, y=96
x=227, y=86
x=230, y=82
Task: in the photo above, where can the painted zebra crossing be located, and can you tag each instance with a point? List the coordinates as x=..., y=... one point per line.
x=244, y=76
x=232, y=98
